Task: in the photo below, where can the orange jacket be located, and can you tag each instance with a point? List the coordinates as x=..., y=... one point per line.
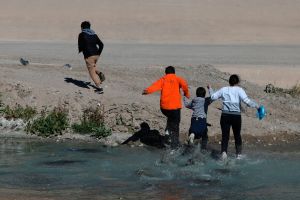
x=169, y=85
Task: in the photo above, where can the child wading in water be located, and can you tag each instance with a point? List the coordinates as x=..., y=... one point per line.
x=232, y=96
x=198, y=128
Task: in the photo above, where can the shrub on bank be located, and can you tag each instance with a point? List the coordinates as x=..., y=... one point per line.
x=92, y=122
x=49, y=123
x=18, y=112
x=54, y=122
x=293, y=91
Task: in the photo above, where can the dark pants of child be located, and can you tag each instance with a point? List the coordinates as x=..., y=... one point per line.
x=199, y=128
x=234, y=121
x=173, y=120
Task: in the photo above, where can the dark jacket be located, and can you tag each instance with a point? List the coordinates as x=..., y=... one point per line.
x=89, y=44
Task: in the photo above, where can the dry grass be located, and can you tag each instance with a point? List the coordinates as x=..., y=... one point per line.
x=295, y=90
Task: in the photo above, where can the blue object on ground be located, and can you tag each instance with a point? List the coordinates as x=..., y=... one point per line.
x=261, y=112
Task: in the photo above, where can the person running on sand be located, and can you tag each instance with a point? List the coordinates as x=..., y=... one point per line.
x=232, y=96
x=170, y=101
x=91, y=47
x=199, y=105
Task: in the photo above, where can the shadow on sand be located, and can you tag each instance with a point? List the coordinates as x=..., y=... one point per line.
x=79, y=83
x=83, y=84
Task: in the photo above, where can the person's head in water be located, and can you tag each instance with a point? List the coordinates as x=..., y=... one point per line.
x=145, y=126
x=85, y=25
x=234, y=80
x=170, y=70
x=200, y=92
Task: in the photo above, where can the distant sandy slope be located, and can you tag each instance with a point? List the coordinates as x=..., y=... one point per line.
x=155, y=21
x=285, y=77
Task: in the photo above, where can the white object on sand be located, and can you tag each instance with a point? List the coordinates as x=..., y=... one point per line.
x=67, y=66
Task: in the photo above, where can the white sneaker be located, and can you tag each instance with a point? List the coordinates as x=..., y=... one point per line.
x=224, y=156
x=167, y=132
x=191, y=138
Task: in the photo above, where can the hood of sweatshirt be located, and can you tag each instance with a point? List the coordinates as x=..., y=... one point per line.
x=88, y=31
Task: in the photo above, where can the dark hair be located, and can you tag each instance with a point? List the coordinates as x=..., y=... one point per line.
x=170, y=70
x=85, y=24
x=200, y=92
x=234, y=80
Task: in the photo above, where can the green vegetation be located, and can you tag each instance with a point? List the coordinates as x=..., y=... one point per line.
x=48, y=124
x=54, y=122
x=18, y=112
x=92, y=122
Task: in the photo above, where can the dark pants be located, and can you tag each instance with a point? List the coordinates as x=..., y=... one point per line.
x=199, y=128
x=173, y=120
x=234, y=121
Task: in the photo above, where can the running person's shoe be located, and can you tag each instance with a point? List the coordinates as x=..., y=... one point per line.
x=99, y=90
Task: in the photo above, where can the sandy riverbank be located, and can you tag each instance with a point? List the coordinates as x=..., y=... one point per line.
x=45, y=84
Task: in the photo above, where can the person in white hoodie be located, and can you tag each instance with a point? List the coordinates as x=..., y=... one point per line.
x=232, y=96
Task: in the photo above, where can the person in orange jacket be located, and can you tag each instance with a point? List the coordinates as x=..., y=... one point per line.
x=170, y=101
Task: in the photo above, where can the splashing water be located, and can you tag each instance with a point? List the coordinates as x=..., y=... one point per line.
x=88, y=170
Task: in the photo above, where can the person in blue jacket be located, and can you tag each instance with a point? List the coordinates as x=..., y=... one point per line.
x=91, y=47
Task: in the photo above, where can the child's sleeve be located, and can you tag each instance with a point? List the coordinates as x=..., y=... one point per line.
x=187, y=103
x=208, y=100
